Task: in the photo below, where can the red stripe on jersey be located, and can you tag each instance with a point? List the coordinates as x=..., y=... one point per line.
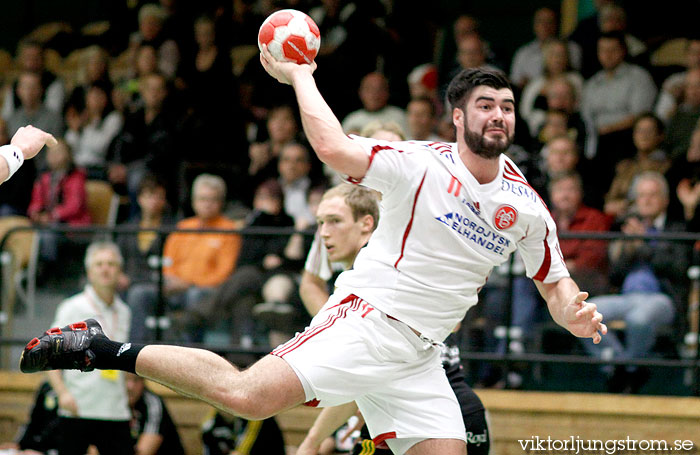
x=372, y=152
x=410, y=221
x=379, y=440
x=309, y=333
x=514, y=176
x=546, y=262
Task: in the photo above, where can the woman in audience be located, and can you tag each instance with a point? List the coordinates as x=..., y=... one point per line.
x=556, y=64
x=58, y=197
x=91, y=131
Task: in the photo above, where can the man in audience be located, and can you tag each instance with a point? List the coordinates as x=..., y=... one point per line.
x=152, y=428
x=30, y=57
x=651, y=278
x=93, y=407
x=422, y=120
x=194, y=264
x=33, y=111
x=374, y=95
x=586, y=259
x=528, y=61
x=146, y=144
x=612, y=99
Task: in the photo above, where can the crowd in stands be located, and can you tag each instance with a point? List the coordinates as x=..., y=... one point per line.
x=182, y=121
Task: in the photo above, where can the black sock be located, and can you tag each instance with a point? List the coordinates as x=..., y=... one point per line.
x=113, y=355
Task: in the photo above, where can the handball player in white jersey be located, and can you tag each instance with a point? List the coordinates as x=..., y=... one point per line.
x=450, y=213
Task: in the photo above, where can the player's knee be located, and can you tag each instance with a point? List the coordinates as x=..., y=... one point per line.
x=246, y=405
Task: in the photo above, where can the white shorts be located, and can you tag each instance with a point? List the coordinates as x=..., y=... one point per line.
x=352, y=351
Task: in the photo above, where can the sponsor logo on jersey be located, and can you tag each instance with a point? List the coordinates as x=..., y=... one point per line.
x=474, y=207
x=519, y=189
x=505, y=217
x=475, y=232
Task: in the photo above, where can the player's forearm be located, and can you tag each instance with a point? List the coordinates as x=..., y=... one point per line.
x=323, y=130
x=313, y=292
x=558, y=295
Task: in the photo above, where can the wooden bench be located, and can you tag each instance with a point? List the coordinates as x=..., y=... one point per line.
x=514, y=416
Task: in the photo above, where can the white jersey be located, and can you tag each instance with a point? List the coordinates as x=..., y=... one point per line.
x=441, y=233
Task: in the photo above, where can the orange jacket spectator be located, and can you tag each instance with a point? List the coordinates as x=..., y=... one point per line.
x=202, y=259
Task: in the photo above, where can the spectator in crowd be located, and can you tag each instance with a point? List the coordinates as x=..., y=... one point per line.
x=648, y=136
x=194, y=264
x=91, y=130
x=58, y=197
x=472, y=52
x=586, y=259
x=422, y=83
x=30, y=58
x=126, y=96
x=586, y=34
x=673, y=87
x=555, y=64
x=354, y=31
x=282, y=128
x=687, y=116
x=40, y=434
x=374, y=95
x=152, y=429
x=612, y=100
x=210, y=92
x=260, y=257
x=294, y=169
x=613, y=19
x=684, y=176
x=559, y=156
x=146, y=143
x=225, y=434
x=651, y=279
x=94, y=407
x=447, y=47
x=32, y=110
x=95, y=71
x=141, y=248
x=151, y=19
x=422, y=120
x=16, y=193
x=560, y=95
x=529, y=59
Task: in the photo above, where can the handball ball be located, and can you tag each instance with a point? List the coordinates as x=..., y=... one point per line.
x=291, y=36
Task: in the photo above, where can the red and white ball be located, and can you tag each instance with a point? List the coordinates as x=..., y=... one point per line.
x=291, y=36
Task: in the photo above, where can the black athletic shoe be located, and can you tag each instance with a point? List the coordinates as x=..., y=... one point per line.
x=67, y=348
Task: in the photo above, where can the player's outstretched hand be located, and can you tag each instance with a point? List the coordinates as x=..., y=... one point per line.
x=282, y=71
x=30, y=140
x=583, y=318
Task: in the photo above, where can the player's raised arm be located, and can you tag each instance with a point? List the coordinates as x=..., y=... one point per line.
x=321, y=126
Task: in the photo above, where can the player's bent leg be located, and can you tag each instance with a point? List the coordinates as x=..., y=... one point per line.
x=441, y=446
x=268, y=387
x=265, y=389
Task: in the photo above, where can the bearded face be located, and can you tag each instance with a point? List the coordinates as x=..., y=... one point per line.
x=488, y=146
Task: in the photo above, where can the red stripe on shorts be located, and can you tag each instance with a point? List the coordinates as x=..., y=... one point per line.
x=309, y=333
x=379, y=440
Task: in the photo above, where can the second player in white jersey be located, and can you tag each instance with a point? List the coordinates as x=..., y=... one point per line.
x=442, y=232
